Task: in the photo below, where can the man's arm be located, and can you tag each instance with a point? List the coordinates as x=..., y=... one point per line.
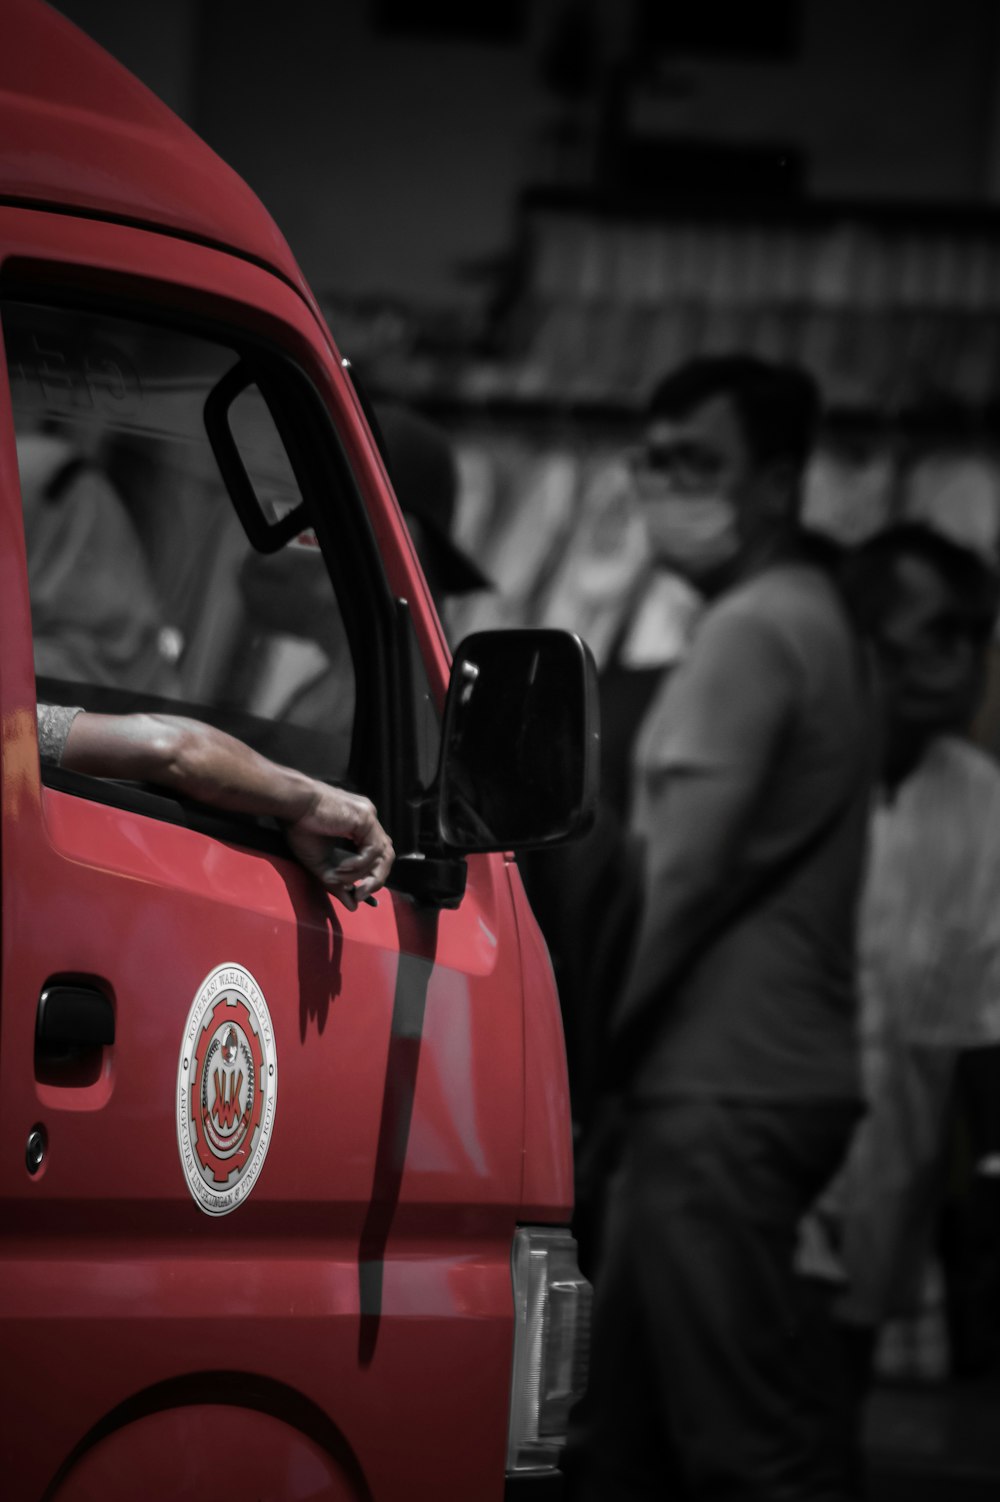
x=208, y=766
x=713, y=745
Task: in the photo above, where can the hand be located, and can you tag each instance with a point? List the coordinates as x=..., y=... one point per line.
x=336, y=814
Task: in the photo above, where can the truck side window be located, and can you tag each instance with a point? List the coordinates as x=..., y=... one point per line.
x=145, y=590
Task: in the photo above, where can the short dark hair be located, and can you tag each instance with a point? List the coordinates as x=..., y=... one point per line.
x=778, y=405
x=973, y=579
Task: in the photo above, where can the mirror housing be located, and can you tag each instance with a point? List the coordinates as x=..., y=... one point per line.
x=521, y=743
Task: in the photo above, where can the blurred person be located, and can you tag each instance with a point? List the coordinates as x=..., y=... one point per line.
x=424, y=475
x=929, y=947
x=197, y=761
x=643, y=609
x=95, y=613
x=311, y=684
x=637, y=613
x=733, y=1046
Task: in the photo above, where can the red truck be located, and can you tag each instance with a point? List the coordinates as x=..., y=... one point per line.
x=284, y=1189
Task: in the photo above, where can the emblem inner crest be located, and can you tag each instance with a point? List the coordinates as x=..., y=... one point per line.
x=227, y=1085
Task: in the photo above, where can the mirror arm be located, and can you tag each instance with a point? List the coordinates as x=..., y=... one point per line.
x=423, y=869
x=431, y=874
x=431, y=880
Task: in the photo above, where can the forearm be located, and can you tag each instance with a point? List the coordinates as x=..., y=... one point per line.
x=695, y=837
x=202, y=763
x=677, y=913
x=192, y=759
x=710, y=748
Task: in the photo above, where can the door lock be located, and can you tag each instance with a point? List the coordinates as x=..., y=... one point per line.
x=38, y=1143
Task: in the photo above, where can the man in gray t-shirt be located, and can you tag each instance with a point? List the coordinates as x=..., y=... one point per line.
x=758, y=740
x=734, y=1040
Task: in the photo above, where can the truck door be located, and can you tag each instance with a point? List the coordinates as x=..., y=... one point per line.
x=246, y=1153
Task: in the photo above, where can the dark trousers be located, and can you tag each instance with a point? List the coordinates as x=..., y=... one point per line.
x=700, y=1385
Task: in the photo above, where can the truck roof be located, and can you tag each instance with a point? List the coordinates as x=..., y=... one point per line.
x=79, y=133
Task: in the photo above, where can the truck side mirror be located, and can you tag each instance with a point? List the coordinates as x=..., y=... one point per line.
x=520, y=748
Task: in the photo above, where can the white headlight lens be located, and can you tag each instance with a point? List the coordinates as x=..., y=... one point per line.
x=551, y=1344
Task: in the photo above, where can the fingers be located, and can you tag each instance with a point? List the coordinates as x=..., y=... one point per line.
x=374, y=860
x=337, y=814
x=344, y=895
x=362, y=874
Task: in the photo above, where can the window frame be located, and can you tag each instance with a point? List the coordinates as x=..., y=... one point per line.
x=311, y=433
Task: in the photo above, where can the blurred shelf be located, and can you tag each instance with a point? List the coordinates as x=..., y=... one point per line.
x=895, y=308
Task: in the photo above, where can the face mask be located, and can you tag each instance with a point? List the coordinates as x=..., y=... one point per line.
x=696, y=533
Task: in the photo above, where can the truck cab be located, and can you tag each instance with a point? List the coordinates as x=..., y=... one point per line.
x=284, y=1189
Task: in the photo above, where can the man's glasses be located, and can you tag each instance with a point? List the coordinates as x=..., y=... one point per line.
x=685, y=466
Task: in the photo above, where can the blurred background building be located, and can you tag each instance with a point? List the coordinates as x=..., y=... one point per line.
x=518, y=213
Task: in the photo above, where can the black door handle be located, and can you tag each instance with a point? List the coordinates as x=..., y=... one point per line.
x=73, y=1017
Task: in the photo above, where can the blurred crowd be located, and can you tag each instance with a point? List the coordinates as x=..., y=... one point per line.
x=787, y=1146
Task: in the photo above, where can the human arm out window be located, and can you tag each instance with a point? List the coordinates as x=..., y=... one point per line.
x=147, y=593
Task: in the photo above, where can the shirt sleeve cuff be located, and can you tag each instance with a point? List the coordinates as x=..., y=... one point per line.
x=54, y=721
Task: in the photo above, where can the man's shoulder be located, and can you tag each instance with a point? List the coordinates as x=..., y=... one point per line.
x=951, y=802
x=796, y=603
x=785, y=591
x=958, y=762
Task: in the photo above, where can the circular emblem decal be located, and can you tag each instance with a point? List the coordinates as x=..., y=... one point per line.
x=227, y=1085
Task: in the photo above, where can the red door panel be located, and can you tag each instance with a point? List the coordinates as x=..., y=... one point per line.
x=366, y=1276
